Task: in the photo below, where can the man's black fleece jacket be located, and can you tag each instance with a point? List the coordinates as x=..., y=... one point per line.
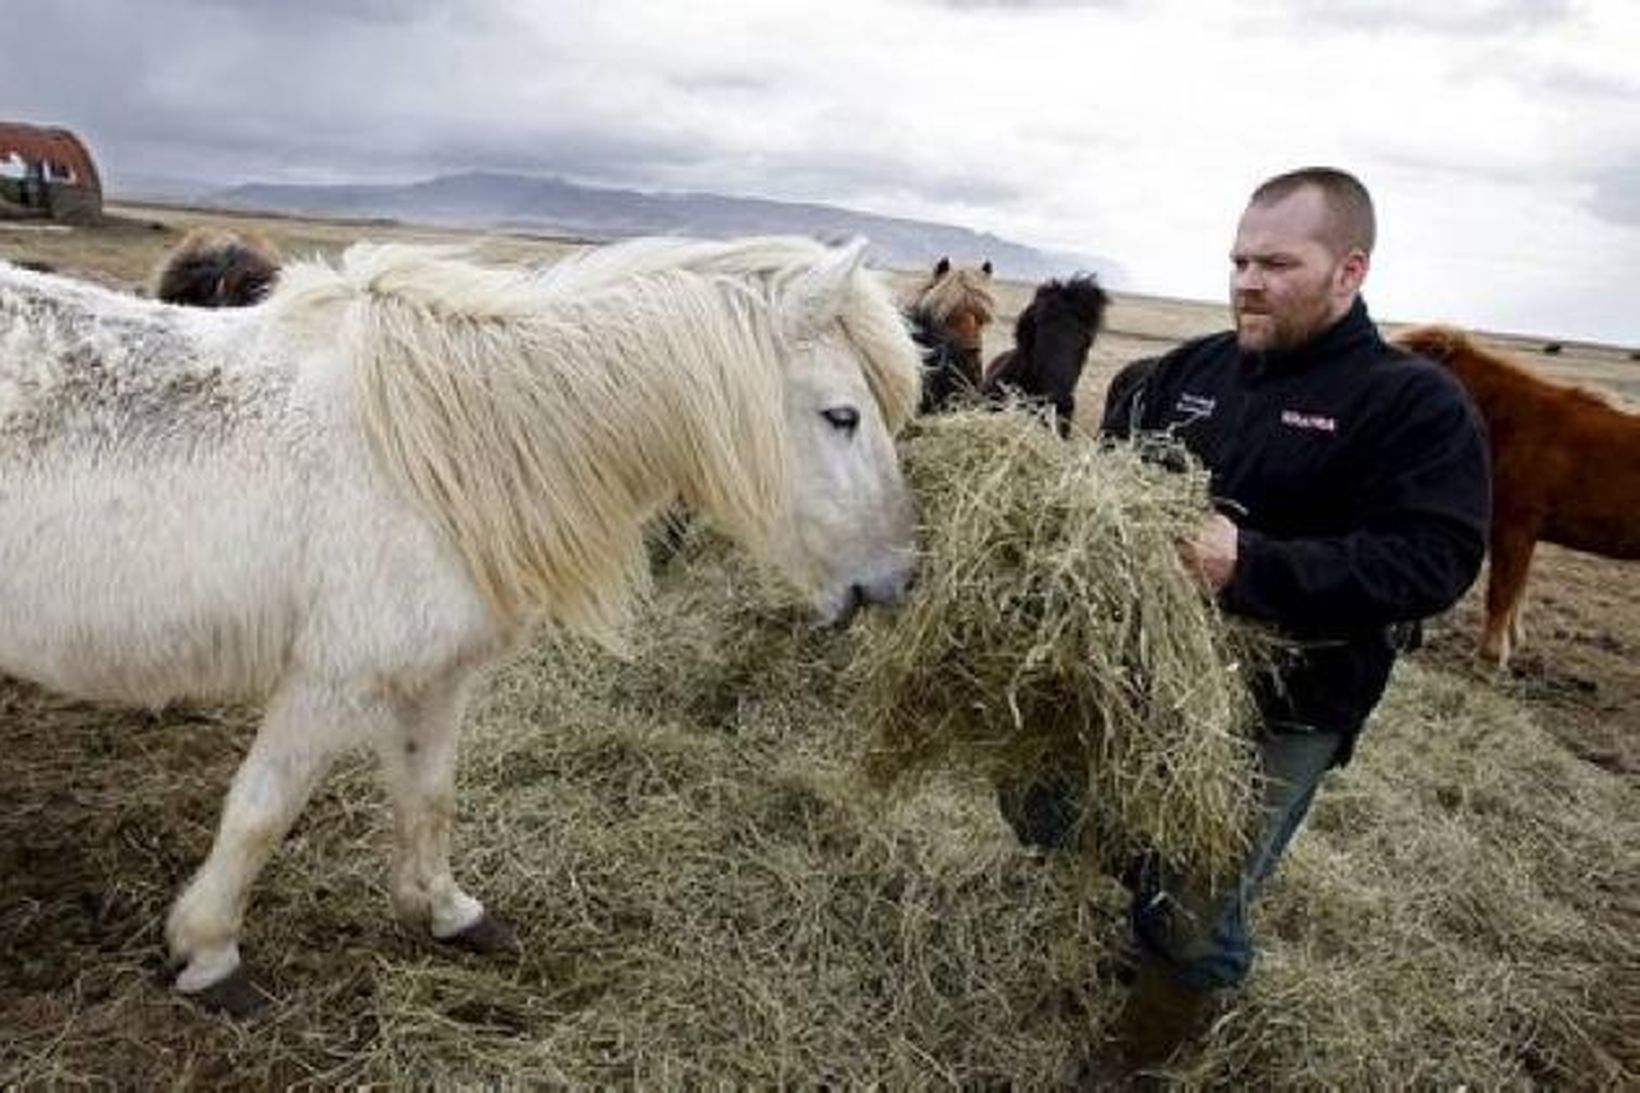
x=1357, y=476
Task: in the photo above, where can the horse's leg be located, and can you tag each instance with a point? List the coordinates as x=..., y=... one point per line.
x=1511, y=556
x=418, y=757
x=300, y=733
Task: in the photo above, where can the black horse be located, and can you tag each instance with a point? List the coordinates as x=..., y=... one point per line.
x=1052, y=337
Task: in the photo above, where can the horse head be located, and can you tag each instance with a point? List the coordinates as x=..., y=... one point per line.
x=851, y=375
x=949, y=314
x=211, y=268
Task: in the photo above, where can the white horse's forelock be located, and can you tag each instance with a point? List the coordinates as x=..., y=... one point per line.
x=525, y=411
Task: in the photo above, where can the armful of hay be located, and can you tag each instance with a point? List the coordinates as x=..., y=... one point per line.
x=1054, y=634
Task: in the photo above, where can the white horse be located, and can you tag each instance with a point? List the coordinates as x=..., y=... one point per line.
x=345, y=500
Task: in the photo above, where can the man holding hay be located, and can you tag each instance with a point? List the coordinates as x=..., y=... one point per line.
x=1354, y=490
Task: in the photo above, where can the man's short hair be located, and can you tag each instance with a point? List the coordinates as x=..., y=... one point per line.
x=1350, y=220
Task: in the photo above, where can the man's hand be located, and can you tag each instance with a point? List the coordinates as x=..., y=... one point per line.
x=1210, y=556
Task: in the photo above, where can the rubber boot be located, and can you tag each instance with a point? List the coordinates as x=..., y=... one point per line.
x=1158, y=1017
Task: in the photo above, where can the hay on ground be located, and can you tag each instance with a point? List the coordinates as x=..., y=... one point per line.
x=1053, y=634
x=706, y=899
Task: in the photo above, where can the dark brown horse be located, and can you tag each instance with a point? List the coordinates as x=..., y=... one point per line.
x=1565, y=469
x=1052, y=337
x=948, y=315
x=214, y=268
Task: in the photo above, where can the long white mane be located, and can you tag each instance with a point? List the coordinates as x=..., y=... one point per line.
x=872, y=319
x=530, y=413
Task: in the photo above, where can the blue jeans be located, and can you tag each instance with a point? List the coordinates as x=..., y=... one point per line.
x=1200, y=938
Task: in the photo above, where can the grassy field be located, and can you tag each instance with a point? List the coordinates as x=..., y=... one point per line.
x=709, y=893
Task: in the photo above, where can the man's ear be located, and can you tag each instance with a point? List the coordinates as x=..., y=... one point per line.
x=1352, y=271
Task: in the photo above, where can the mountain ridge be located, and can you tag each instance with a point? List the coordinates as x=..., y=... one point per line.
x=554, y=205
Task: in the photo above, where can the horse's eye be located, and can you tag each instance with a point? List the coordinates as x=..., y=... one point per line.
x=846, y=418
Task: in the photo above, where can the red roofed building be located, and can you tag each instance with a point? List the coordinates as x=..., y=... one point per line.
x=46, y=172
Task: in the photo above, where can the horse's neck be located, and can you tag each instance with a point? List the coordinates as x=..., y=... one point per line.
x=924, y=330
x=543, y=442
x=1493, y=384
x=1022, y=370
x=691, y=404
x=1004, y=370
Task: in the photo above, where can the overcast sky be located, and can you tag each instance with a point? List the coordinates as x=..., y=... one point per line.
x=1501, y=138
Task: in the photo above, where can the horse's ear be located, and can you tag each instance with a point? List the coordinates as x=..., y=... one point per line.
x=985, y=268
x=816, y=299
x=942, y=267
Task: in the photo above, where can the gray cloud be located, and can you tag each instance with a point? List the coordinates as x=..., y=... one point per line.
x=819, y=175
x=1615, y=196
x=732, y=96
x=186, y=89
x=1567, y=79
x=739, y=82
x=1026, y=5
x=1611, y=189
x=1475, y=17
x=230, y=88
x=319, y=13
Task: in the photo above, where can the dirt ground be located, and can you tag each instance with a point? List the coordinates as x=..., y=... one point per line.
x=88, y=867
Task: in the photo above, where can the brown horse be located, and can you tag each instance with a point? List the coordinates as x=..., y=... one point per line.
x=1565, y=469
x=948, y=314
x=214, y=268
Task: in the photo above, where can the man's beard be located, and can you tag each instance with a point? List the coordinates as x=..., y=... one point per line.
x=1273, y=332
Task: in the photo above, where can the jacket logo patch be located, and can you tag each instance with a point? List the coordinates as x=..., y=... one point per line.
x=1319, y=422
x=1194, y=406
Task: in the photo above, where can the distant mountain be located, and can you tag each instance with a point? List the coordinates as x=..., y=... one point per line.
x=140, y=186
x=553, y=206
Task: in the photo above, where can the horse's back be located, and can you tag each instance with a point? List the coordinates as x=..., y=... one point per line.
x=88, y=369
x=189, y=509
x=1593, y=502
x=1546, y=437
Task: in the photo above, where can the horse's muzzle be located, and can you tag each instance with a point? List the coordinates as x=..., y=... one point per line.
x=889, y=590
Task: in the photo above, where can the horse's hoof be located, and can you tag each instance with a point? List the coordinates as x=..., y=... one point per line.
x=486, y=937
x=235, y=995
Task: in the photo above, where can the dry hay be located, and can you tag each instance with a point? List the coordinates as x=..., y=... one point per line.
x=703, y=893
x=1463, y=909
x=707, y=897
x=1053, y=633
